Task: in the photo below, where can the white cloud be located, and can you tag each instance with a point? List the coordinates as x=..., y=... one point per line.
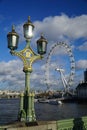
x=58, y=27
x=63, y=28
x=13, y=78
x=81, y=64
x=19, y=30
x=11, y=73
x=83, y=47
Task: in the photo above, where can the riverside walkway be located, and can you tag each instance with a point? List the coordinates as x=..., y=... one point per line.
x=69, y=124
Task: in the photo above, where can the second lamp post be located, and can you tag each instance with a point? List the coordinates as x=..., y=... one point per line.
x=28, y=56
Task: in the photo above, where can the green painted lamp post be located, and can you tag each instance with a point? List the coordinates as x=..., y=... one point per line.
x=28, y=56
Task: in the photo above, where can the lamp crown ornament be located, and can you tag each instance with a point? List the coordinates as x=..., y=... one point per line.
x=29, y=22
x=42, y=39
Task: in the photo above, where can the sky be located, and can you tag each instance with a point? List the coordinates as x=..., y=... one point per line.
x=59, y=21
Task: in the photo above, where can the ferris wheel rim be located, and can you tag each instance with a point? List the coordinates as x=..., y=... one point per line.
x=71, y=57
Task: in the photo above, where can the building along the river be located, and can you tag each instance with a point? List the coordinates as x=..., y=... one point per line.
x=82, y=88
x=9, y=94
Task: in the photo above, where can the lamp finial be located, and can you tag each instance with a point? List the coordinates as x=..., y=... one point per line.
x=28, y=18
x=13, y=28
x=42, y=34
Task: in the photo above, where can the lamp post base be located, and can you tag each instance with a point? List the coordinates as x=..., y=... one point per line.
x=27, y=111
x=32, y=123
x=22, y=115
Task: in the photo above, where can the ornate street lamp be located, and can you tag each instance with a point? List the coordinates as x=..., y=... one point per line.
x=28, y=56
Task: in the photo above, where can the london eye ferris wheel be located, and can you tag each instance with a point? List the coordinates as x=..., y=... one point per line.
x=61, y=59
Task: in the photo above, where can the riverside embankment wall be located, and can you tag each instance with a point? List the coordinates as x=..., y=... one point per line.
x=70, y=124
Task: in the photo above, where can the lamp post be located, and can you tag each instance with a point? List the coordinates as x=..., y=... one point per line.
x=28, y=56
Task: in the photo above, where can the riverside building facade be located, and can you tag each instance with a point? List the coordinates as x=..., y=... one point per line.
x=82, y=88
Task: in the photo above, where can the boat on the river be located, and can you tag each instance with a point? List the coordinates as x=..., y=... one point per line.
x=43, y=100
x=55, y=102
x=50, y=101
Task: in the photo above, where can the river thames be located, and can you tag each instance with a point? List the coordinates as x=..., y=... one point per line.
x=9, y=110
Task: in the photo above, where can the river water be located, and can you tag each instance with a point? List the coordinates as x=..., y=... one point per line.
x=9, y=110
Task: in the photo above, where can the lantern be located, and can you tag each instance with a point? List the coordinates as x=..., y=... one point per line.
x=13, y=39
x=28, y=28
x=41, y=45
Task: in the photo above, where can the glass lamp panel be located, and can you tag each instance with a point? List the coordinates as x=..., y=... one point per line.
x=41, y=47
x=44, y=47
x=12, y=42
x=28, y=31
